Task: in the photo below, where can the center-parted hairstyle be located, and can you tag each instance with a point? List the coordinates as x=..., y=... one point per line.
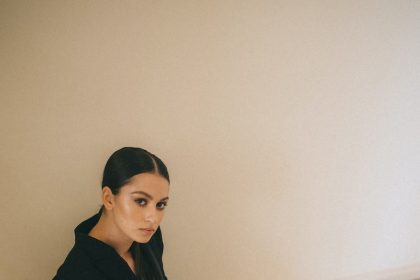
x=127, y=162
x=121, y=166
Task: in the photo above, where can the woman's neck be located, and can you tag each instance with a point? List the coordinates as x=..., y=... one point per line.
x=106, y=231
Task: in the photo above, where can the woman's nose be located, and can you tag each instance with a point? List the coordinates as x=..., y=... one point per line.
x=151, y=215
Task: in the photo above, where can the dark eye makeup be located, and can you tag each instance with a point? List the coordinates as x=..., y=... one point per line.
x=143, y=202
x=162, y=205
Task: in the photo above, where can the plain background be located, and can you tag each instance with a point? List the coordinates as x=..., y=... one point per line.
x=291, y=130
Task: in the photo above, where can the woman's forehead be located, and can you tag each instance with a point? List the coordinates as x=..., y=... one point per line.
x=147, y=182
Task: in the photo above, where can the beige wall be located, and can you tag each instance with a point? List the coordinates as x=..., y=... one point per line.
x=291, y=130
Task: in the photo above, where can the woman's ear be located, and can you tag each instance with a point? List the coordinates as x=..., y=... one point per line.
x=107, y=198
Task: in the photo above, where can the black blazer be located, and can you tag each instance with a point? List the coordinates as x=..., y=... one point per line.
x=92, y=259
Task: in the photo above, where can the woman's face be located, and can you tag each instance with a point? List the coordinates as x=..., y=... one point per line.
x=139, y=206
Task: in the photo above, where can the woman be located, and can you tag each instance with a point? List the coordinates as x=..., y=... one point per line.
x=123, y=241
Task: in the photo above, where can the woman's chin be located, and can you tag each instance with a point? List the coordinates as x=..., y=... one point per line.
x=143, y=238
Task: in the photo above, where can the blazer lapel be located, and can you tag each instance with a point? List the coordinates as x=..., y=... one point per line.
x=103, y=256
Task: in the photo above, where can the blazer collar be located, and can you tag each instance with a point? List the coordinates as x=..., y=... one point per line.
x=103, y=256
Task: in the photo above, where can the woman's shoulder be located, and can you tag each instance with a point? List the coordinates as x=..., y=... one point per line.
x=77, y=265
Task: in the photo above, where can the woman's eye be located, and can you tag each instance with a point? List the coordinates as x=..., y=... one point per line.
x=161, y=205
x=141, y=202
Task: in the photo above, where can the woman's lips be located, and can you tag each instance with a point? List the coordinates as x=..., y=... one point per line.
x=147, y=230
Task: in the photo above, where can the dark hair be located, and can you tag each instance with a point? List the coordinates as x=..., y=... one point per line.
x=123, y=164
x=119, y=169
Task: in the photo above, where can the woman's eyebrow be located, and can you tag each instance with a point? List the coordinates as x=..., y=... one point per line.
x=148, y=195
